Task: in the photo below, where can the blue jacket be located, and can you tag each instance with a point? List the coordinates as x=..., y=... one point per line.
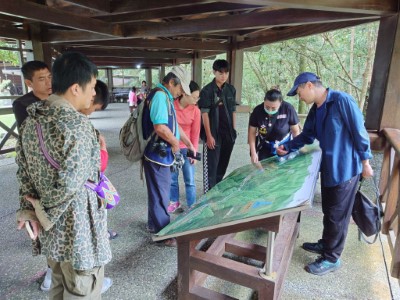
x=344, y=142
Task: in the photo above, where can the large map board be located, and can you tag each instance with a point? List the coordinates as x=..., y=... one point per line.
x=273, y=187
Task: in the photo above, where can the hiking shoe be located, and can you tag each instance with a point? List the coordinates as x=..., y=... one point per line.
x=173, y=206
x=107, y=283
x=45, y=286
x=314, y=247
x=321, y=266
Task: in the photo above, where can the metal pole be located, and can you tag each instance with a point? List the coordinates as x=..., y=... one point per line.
x=267, y=271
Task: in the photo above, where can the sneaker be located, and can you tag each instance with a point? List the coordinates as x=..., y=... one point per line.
x=107, y=283
x=314, y=247
x=173, y=206
x=45, y=286
x=321, y=266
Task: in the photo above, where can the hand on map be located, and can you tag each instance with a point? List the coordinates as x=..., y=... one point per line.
x=280, y=150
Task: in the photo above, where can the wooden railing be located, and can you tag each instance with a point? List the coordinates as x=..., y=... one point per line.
x=389, y=190
x=9, y=131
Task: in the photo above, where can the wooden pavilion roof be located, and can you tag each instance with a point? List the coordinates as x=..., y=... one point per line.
x=151, y=33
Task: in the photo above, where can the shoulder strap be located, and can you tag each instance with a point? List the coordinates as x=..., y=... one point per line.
x=53, y=162
x=170, y=110
x=46, y=154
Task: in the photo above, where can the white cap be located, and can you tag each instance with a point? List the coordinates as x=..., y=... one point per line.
x=184, y=77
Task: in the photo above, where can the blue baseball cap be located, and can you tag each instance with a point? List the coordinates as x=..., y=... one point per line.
x=302, y=78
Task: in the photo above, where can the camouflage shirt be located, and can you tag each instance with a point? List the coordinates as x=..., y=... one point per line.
x=79, y=220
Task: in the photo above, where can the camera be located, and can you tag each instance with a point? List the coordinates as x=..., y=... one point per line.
x=160, y=148
x=191, y=154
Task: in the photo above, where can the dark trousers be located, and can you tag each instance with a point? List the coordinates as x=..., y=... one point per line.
x=215, y=161
x=158, y=182
x=337, y=205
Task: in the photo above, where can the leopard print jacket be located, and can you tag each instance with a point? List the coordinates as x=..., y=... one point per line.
x=79, y=234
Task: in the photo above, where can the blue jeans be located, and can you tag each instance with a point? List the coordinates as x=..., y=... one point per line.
x=188, y=177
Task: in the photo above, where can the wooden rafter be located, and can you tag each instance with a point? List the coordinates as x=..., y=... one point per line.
x=286, y=17
x=32, y=11
x=123, y=6
x=273, y=36
x=177, y=30
x=99, y=5
x=380, y=7
x=160, y=44
x=128, y=53
x=174, y=12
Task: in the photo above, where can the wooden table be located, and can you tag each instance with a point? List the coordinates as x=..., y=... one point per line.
x=284, y=190
x=195, y=265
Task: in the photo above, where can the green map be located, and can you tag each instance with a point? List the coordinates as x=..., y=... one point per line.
x=253, y=191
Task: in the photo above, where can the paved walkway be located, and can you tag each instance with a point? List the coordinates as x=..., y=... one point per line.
x=142, y=270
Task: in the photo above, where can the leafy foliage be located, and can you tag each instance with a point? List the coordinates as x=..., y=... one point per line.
x=342, y=58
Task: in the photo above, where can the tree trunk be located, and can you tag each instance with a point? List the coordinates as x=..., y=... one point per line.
x=353, y=33
x=366, y=78
x=302, y=105
x=256, y=70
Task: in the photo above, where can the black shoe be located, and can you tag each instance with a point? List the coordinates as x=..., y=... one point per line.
x=321, y=266
x=314, y=247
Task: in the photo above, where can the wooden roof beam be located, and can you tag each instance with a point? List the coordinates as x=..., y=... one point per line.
x=32, y=11
x=133, y=61
x=181, y=11
x=273, y=36
x=130, y=63
x=127, y=53
x=285, y=17
x=13, y=33
x=129, y=66
x=98, y=5
x=380, y=7
x=158, y=44
x=123, y=6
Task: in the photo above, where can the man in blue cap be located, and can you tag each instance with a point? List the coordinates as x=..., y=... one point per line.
x=337, y=123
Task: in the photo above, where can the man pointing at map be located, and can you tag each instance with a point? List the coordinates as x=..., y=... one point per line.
x=337, y=123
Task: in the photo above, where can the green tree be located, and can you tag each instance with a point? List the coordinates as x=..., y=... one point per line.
x=342, y=58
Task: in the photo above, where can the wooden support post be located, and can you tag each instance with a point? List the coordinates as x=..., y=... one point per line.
x=162, y=73
x=197, y=73
x=383, y=110
x=110, y=81
x=149, y=78
x=235, y=58
x=41, y=51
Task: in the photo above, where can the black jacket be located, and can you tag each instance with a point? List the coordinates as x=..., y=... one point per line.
x=208, y=103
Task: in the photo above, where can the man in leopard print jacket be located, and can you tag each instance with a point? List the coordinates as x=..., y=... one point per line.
x=69, y=222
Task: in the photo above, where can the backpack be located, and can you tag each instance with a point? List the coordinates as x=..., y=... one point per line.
x=136, y=133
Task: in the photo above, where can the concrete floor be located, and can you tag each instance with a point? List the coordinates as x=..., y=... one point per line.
x=143, y=270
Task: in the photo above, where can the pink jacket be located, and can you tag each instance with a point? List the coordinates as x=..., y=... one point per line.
x=189, y=120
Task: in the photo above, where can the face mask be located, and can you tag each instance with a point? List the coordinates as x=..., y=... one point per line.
x=271, y=112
